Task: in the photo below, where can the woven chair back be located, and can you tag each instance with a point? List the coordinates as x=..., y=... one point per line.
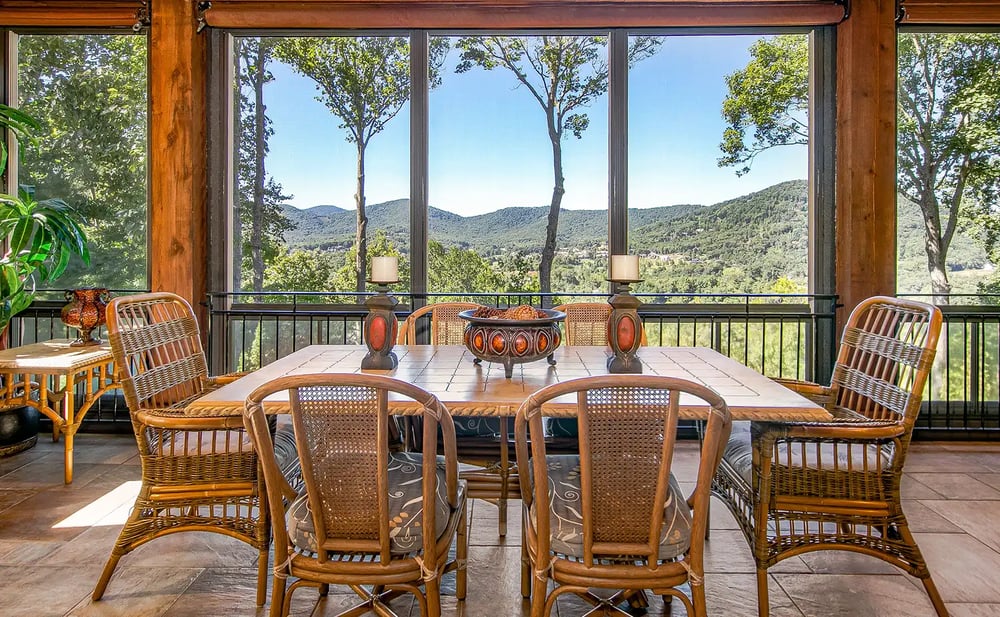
x=341, y=432
x=886, y=353
x=157, y=349
x=447, y=328
x=628, y=428
x=586, y=323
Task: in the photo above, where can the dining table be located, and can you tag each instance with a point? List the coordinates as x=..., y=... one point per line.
x=468, y=388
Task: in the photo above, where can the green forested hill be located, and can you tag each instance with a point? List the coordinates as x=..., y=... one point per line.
x=742, y=244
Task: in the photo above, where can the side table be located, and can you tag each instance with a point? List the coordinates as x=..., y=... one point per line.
x=47, y=376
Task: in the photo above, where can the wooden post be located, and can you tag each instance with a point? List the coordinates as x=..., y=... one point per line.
x=177, y=146
x=866, y=154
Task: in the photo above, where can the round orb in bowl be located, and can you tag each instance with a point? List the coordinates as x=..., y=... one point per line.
x=512, y=336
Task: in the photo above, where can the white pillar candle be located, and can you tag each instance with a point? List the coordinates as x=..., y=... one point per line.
x=385, y=269
x=624, y=268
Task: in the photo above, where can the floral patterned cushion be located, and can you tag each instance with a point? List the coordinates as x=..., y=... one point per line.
x=567, y=521
x=477, y=427
x=739, y=454
x=405, y=507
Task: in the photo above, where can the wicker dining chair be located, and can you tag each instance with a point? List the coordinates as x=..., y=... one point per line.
x=198, y=473
x=586, y=323
x=366, y=516
x=447, y=328
x=482, y=446
x=796, y=488
x=614, y=516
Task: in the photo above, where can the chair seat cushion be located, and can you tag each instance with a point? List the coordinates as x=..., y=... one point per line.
x=477, y=427
x=566, y=520
x=405, y=507
x=738, y=454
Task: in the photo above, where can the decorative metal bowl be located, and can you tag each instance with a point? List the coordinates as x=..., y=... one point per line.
x=512, y=341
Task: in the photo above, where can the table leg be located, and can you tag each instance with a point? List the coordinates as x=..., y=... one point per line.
x=71, y=426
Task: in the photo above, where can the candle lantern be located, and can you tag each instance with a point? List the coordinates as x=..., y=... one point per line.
x=624, y=327
x=381, y=325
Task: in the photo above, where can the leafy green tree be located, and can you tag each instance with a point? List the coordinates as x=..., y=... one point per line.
x=948, y=126
x=564, y=74
x=89, y=94
x=455, y=270
x=381, y=246
x=300, y=271
x=364, y=81
x=258, y=200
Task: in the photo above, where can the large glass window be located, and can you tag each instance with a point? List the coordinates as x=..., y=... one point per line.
x=715, y=205
x=948, y=163
x=518, y=164
x=88, y=92
x=322, y=136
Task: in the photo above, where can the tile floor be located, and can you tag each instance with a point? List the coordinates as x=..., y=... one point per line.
x=54, y=540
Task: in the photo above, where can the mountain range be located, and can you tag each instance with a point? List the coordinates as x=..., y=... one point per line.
x=764, y=231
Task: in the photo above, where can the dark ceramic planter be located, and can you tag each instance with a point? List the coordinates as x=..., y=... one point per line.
x=512, y=341
x=18, y=430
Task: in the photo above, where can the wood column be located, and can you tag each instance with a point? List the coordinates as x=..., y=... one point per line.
x=866, y=153
x=177, y=148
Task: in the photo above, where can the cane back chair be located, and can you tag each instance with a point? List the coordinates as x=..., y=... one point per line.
x=366, y=516
x=482, y=445
x=198, y=473
x=447, y=328
x=586, y=323
x=795, y=488
x=614, y=516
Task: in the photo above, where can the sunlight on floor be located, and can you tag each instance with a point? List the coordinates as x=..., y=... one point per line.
x=110, y=509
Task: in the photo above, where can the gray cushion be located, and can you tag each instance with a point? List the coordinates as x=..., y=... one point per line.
x=739, y=454
x=405, y=507
x=566, y=520
x=477, y=427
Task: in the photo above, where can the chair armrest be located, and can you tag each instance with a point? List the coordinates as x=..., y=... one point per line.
x=221, y=380
x=175, y=419
x=846, y=430
x=821, y=395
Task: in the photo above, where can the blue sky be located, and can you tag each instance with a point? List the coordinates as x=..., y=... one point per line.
x=489, y=148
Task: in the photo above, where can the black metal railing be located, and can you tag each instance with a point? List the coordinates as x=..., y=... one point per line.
x=962, y=398
x=780, y=335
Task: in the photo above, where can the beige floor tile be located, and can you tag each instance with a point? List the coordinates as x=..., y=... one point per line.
x=34, y=591
x=910, y=488
x=976, y=518
x=845, y=562
x=220, y=591
x=931, y=458
x=35, y=517
x=854, y=595
x=956, y=485
x=992, y=479
x=727, y=552
x=10, y=498
x=138, y=591
x=26, y=552
x=973, y=610
x=964, y=569
x=924, y=518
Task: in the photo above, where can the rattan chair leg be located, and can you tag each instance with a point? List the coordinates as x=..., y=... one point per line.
x=277, y=596
x=525, y=560
x=925, y=577
x=102, y=583
x=262, y=576
x=763, y=600
x=462, y=553
x=538, y=588
x=432, y=590
x=698, y=599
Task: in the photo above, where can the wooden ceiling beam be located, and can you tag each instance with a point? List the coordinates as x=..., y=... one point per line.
x=953, y=12
x=507, y=14
x=73, y=13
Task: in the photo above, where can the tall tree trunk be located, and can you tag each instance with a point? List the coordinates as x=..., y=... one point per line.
x=260, y=141
x=237, y=153
x=558, y=189
x=361, y=239
x=935, y=248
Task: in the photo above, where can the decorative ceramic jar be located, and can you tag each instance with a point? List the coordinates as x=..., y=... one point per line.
x=513, y=341
x=85, y=312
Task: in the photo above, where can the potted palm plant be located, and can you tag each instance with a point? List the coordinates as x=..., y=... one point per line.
x=41, y=238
